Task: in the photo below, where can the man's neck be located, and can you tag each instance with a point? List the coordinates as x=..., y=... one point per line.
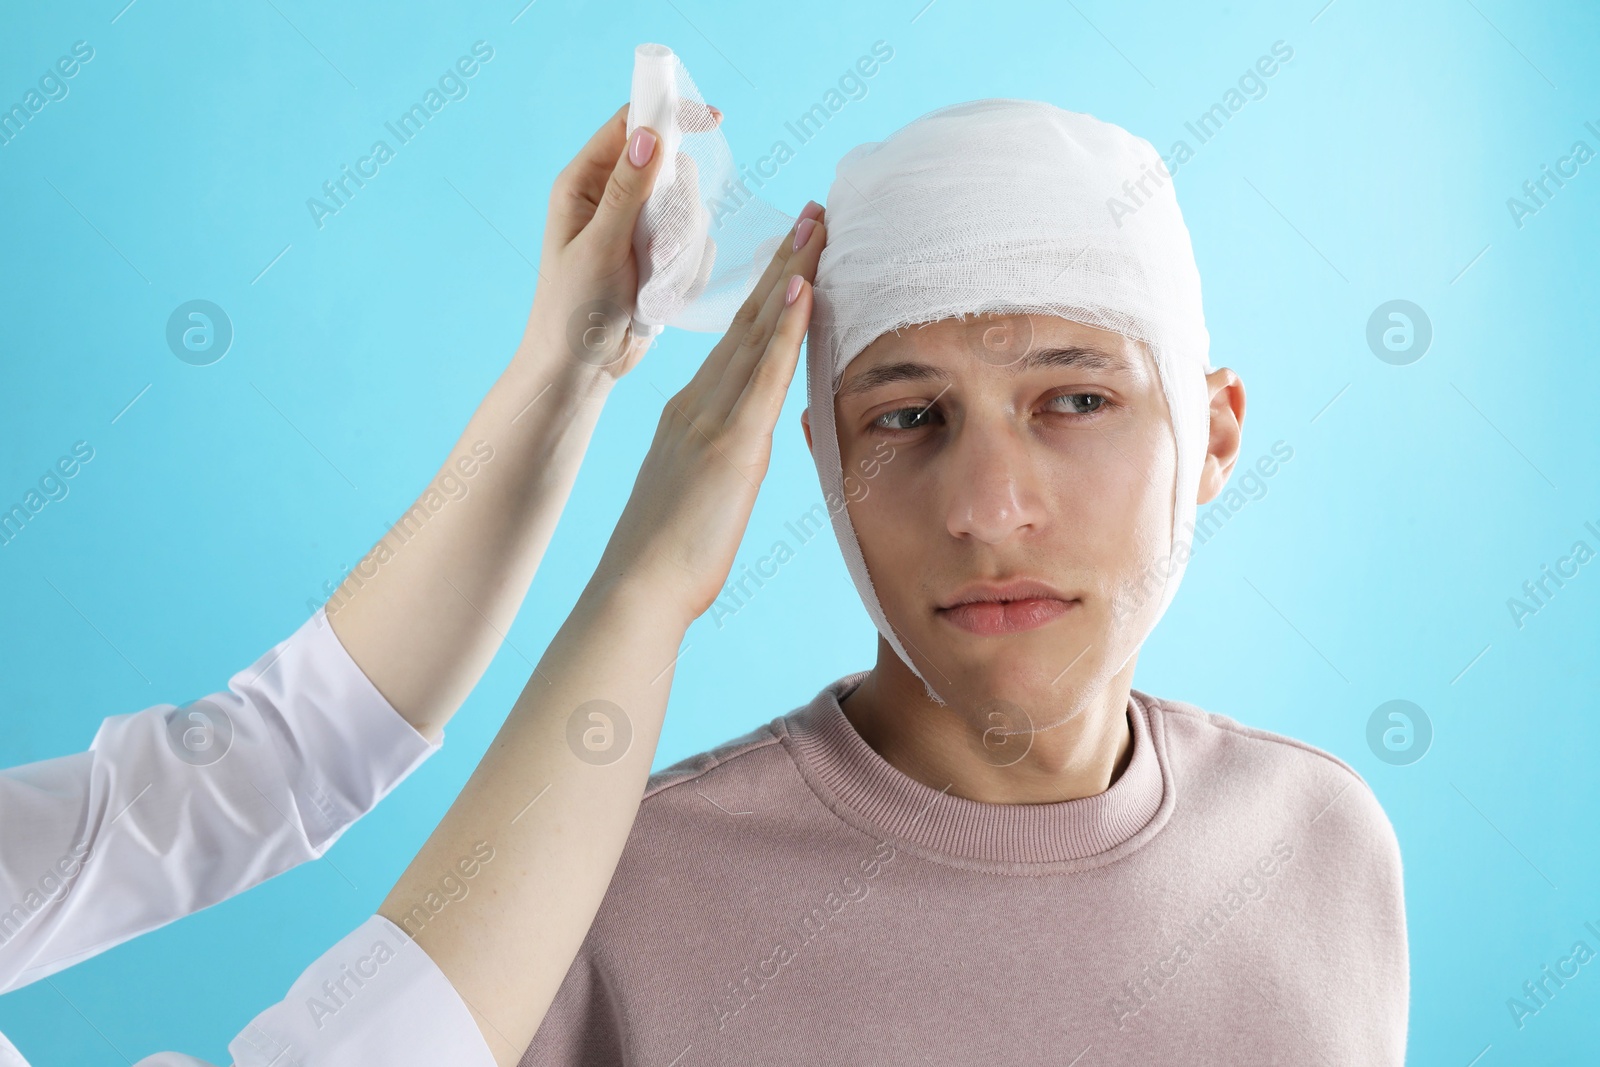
x=944, y=747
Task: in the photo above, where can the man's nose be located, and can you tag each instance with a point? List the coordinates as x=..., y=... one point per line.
x=993, y=490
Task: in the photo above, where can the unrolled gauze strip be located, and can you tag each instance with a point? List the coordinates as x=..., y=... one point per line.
x=704, y=237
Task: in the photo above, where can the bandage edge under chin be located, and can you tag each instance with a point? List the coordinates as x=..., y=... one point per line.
x=830, y=475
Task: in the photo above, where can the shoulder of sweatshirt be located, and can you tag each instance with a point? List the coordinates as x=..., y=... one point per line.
x=1339, y=799
x=692, y=767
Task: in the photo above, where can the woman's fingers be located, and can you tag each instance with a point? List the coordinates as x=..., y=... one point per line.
x=775, y=267
x=695, y=117
x=580, y=187
x=632, y=176
x=757, y=336
x=715, y=367
x=756, y=410
x=577, y=189
x=691, y=502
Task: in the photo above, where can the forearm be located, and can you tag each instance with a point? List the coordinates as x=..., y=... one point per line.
x=504, y=891
x=425, y=611
x=551, y=816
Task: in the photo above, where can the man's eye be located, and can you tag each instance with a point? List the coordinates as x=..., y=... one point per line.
x=903, y=419
x=1076, y=402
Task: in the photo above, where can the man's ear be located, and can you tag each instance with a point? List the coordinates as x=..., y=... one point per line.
x=805, y=425
x=1227, y=432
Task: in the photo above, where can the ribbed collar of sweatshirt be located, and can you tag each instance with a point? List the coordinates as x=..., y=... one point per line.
x=865, y=790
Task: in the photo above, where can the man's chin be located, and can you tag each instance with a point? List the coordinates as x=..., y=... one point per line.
x=1039, y=668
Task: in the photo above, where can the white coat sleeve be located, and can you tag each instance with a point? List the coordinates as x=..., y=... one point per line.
x=174, y=809
x=373, y=998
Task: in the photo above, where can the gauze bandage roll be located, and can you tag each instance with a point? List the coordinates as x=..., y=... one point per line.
x=1007, y=206
x=704, y=236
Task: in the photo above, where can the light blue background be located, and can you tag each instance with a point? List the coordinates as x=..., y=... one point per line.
x=1377, y=166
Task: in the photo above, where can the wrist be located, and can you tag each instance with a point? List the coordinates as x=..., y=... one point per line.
x=592, y=345
x=636, y=593
x=541, y=362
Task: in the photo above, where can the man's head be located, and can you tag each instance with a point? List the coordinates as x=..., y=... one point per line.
x=1015, y=514
x=983, y=262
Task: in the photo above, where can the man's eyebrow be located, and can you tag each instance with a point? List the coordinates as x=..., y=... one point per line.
x=1082, y=357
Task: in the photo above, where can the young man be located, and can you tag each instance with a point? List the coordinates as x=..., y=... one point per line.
x=990, y=847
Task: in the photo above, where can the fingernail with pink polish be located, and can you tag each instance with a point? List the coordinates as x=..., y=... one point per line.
x=641, y=147
x=794, y=289
x=802, y=233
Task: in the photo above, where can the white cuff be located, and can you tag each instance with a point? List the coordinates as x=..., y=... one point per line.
x=375, y=997
x=351, y=747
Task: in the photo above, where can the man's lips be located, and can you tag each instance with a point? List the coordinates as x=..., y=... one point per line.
x=1007, y=616
x=1004, y=607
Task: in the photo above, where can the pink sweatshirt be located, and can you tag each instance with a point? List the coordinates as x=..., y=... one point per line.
x=791, y=898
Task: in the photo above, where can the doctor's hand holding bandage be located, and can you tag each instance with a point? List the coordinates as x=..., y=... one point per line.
x=555, y=796
x=172, y=809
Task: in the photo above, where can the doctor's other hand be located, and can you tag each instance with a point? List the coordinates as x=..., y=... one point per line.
x=588, y=272
x=692, y=500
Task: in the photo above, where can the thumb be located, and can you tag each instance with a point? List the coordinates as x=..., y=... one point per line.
x=626, y=190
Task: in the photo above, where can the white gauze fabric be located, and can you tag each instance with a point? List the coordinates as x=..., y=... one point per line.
x=1009, y=206
x=704, y=237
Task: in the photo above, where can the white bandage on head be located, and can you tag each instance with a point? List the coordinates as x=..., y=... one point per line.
x=1007, y=206
x=1010, y=206
x=704, y=237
